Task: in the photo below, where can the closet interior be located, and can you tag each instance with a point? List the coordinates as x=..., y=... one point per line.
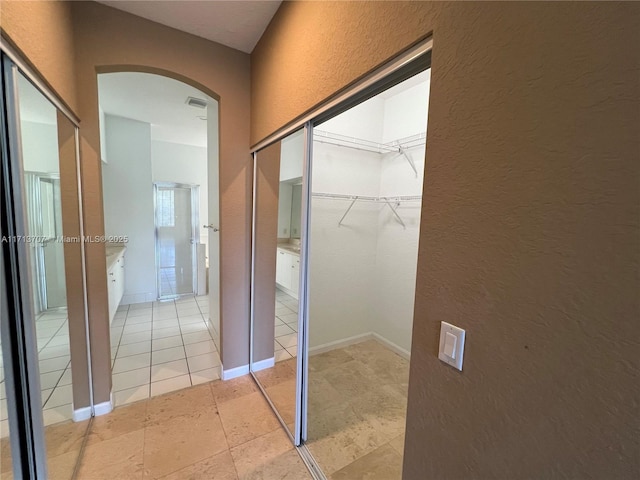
x=366, y=180
x=336, y=223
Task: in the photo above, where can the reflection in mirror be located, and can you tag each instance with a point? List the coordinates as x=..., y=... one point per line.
x=49, y=156
x=6, y=464
x=367, y=176
x=277, y=272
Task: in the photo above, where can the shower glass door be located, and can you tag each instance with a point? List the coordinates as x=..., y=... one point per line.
x=52, y=249
x=43, y=201
x=176, y=234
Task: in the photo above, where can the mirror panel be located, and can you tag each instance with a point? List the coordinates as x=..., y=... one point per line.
x=6, y=462
x=277, y=220
x=54, y=254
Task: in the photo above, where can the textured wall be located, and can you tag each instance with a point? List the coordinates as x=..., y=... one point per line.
x=111, y=40
x=266, y=235
x=313, y=49
x=529, y=236
x=42, y=30
x=73, y=261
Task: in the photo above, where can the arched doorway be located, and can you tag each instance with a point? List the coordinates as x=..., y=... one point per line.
x=160, y=167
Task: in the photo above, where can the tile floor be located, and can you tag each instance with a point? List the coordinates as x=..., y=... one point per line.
x=217, y=430
x=357, y=411
x=221, y=430
x=52, y=332
x=286, y=341
x=63, y=443
x=160, y=347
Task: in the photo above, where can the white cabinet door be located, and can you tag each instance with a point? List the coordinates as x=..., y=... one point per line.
x=119, y=274
x=115, y=286
x=112, y=292
x=283, y=269
x=295, y=274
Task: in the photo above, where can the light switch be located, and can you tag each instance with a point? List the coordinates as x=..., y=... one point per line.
x=451, y=345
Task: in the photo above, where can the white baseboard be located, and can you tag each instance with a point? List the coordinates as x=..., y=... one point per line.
x=343, y=342
x=233, y=372
x=131, y=298
x=262, y=364
x=104, y=407
x=291, y=293
x=81, y=414
x=84, y=413
x=392, y=346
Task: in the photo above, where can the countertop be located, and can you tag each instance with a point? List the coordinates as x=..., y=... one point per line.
x=114, y=252
x=290, y=247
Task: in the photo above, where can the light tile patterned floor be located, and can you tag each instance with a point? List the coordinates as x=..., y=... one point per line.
x=217, y=430
x=160, y=347
x=221, y=430
x=52, y=332
x=286, y=341
x=358, y=401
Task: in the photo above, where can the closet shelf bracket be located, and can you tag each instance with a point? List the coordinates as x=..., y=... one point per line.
x=355, y=199
x=409, y=159
x=395, y=212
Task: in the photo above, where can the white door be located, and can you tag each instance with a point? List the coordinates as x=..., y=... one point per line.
x=213, y=162
x=176, y=231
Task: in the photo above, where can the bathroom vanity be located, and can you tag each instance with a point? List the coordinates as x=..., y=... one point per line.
x=288, y=268
x=115, y=277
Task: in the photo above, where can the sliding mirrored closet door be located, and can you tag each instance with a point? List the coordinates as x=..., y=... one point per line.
x=278, y=206
x=41, y=166
x=367, y=175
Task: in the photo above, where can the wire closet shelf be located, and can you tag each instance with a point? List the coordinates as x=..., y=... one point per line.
x=400, y=146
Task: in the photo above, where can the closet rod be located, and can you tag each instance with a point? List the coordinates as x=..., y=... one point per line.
x=388, y=198
x=388, y=201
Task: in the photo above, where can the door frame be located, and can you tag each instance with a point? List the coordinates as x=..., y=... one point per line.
x=195, y=234
x=406, y=64
x=39, y=253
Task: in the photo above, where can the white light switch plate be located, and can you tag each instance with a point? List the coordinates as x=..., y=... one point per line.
x=451, y=348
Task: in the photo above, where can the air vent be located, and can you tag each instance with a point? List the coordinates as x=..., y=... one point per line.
x=196, y=102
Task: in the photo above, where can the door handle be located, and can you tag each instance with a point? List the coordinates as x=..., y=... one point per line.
x=215, y=229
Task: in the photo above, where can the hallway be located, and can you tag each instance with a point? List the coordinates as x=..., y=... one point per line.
x=161, y=347
x=222, y=430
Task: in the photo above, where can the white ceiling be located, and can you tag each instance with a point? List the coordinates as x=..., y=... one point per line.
x=158, y=100
x=238, y=24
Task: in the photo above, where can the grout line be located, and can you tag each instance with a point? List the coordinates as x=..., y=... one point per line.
x=85, y=439
x=153, y=309
x=184, y=348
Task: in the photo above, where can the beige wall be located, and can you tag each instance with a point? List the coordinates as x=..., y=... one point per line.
x=266, y=238
x=73, y=261
x=108, y=40
x=68, y=42
x=43, y=31
x=529, y=236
